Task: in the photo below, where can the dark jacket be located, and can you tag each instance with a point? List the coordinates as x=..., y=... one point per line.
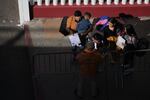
x=88, y=62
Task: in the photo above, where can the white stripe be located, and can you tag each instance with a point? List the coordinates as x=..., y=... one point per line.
x=124, y=2
x=62, y=2
x=23, y=11
x=116, y=2
x=93, y=2
x=70, y=2
x=146, y=1
x=131, y=2
x=139, y=1
x=78, y=2
x=47, y=2
x=108, y=2
x=101, y=2
x=85, y=2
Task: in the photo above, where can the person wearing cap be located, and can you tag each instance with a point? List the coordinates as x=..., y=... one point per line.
x=72, y=22
x=88, y=59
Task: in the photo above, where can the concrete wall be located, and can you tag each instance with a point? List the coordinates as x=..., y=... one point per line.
x=9, y=13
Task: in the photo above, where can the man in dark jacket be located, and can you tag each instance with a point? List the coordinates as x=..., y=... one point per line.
x=88, y=59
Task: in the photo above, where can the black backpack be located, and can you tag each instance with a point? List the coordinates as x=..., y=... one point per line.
x=142, y=43
x=63, y=25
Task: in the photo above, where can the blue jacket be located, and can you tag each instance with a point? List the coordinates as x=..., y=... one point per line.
x=83, y=25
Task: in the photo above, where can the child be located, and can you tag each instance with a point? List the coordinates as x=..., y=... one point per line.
x=83, y=26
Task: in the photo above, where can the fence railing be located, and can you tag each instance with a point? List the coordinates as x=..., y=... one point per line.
x=62, y=62
x=88, y=2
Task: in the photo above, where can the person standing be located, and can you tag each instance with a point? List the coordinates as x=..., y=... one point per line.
x=129, y=49
x=88, y=59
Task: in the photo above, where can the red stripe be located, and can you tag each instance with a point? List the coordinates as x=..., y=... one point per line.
x=97, y=10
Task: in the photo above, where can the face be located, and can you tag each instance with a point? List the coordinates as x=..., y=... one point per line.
x=95, y=41
x=87, y=17
x=77, y=18
x=110, y=24
x=125, y=30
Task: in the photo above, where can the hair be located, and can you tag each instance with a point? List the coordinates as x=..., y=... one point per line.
x=98, y=37
x=77, y=13
x=130, y=29
x=88, y=14
x=89, y=45
x=113, y=21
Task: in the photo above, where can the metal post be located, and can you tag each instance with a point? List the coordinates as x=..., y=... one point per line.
x=101, y=2
x=93, y=2
x=62, y=2
x=146, y=1
x=85, y=2
x=78, y=2
x=108, y=2
x=39, y=2
x=124, y=2
x=70, y=2
x=131, y=2
x=47, y=2
x=55, y=2
x=116, y=2
x=24, y=15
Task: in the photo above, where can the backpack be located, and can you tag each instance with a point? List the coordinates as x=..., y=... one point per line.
x=63, y=25
x=142, y=43
x=102, y=22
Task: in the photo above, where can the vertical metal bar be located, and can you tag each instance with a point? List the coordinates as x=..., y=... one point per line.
x=124, y=2
x=108, y=2
x=62, y=2
x=85, y=2
x=146, y=1
x=47, y=2
x=101, y=2
x=78, y=2
x=39, y=2
x=93, y=2
x=116, y=2
x=70, y=2
x=139, y=1
x=55, y=2
x=131, y=2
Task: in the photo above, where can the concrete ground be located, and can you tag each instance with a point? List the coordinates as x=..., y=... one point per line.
x=47, y=30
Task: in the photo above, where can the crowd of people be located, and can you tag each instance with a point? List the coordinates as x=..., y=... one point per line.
x=103, y=32
x=98, y=38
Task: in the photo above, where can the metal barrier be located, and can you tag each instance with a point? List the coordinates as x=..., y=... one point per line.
x=55, y=62
x=62, y=62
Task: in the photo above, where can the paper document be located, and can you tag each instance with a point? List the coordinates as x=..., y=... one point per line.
x=75, y=40
x=95, y=46
x=120, y=42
